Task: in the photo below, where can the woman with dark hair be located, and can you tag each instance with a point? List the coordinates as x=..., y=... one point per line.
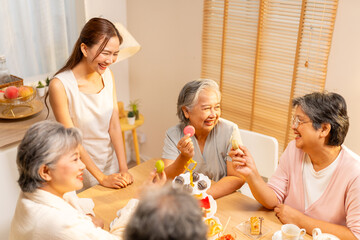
x=82, y=94
x=317, y=182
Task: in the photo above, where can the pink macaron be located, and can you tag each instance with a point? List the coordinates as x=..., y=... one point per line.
x=189, y=130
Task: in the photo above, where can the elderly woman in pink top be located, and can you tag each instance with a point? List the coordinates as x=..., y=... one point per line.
x=317, y=182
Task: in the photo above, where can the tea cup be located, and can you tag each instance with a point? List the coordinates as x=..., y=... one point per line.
x=318, y=235
x=292, y=232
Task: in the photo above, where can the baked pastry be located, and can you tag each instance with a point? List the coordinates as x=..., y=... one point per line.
x=202, y=185
x=255, y=225
x=213, y=227
x=196, y=176
x=188, y=188
x=179, y=180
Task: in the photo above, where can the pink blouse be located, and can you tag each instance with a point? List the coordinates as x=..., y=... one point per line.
x=340, y=202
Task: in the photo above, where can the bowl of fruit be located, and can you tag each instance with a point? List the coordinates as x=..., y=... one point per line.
x=14, y=95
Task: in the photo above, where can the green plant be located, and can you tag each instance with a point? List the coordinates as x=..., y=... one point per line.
x=131, y=114
x=47, y=81
x=134, y=106
x=40, y=85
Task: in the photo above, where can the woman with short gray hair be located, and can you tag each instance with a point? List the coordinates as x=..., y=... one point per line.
x=166, y=213
x=317, y=182
x=199, y=105
x=50, y=170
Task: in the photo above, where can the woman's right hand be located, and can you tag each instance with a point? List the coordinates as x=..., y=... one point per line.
x=114, y=180
x=243, y=162
x=186, y=147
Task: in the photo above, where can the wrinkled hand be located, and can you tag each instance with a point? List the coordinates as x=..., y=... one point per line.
x=243, y=162
x=287, y=214
x=128, y=177
x=186, y=147
x=156, y=178
x=114, y=180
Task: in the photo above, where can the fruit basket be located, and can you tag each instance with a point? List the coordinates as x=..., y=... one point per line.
x=18, y=103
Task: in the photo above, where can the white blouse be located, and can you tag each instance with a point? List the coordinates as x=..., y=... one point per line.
x=42, y=215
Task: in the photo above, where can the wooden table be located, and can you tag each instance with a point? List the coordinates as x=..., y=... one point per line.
x=125, y=126
x=238, y=206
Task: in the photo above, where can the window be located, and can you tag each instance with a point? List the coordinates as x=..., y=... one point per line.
x=36, y=36
x=263, y=54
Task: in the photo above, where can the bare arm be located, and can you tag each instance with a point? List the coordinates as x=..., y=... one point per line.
x=287, y=214
x=245, y=165
x=59, y=105
x=174, y=168
x=117, y=140
x=227, y=184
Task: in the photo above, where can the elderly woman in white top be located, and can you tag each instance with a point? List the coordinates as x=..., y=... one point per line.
x=49, y=166
x=199, y=105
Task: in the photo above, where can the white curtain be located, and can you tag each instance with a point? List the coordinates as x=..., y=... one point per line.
x=35, y=35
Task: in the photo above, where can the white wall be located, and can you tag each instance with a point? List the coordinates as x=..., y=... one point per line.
x=169, y=32
x=343, y=74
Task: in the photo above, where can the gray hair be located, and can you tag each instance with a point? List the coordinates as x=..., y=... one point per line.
x=44, y=143
x=324, y=107
x=189, y=95
x=164, y=214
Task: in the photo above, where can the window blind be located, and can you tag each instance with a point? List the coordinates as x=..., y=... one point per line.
x=263, y=54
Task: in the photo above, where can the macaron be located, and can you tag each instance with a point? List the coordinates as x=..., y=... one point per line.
x=189, y=130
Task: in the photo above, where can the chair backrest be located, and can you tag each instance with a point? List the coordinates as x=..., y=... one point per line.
x=264, y=150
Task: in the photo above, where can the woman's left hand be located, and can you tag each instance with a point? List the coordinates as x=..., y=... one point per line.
x=127, y=177
x=287, y=214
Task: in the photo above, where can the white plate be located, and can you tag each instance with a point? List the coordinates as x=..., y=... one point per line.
x=244, y=228
x=213, y=206
x=277, y=236
x=196, y=190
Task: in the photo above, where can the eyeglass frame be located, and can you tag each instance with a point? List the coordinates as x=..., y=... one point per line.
x=297, y=122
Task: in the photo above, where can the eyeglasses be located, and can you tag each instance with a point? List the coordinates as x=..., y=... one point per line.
x=296, y=121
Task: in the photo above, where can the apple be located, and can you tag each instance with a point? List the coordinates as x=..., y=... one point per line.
x=25, y=91
x=11, y=92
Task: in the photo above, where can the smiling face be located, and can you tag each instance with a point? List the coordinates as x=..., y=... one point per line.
x=106, y=57
x=205, y=114
x=66, y=175
x=307, y=137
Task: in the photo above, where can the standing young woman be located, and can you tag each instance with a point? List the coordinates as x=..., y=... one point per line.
x=82, y=94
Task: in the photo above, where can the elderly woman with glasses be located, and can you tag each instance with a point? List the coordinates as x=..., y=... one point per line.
x=199, y=105
x=317, y=182
x=50, y=170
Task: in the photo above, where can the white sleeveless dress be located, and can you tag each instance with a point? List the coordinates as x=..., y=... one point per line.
x=91, y=113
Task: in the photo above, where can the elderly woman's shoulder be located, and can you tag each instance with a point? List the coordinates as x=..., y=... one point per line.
x=175, y=130
x=351, y=154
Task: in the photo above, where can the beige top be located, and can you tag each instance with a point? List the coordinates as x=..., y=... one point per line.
x=91, y=113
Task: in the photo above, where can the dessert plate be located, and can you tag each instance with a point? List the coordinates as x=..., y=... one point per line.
x=196, y=190
x=244, y=228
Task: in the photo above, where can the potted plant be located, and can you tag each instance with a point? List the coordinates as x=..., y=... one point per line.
x=40, y=89
x=47, y=82
x=134, y=106
x=131, y=118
